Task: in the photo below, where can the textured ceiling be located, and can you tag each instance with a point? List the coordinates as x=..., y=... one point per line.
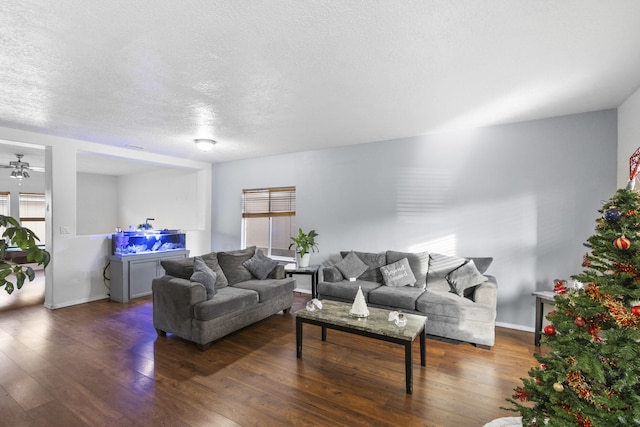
x=270, y=77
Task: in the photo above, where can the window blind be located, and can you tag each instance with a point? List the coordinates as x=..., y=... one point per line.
x=4, y=203
x=269, y=202
x=32, y=207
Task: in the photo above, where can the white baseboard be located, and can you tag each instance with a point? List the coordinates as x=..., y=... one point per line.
x=76, y=302
x=517, y=327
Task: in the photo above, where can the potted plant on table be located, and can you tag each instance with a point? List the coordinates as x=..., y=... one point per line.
x=305, y=244
x=25, y=240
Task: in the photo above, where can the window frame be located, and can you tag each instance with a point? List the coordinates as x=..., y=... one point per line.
x=268, y=203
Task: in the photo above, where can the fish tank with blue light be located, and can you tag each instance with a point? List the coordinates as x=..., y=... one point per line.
x=147, y=241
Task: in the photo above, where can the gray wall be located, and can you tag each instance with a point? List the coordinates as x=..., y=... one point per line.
x=525, y=193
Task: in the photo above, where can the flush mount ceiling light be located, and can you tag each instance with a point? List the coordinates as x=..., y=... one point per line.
x=204, y=144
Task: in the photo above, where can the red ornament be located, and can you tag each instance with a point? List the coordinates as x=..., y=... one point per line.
x=622, y=243
x=635, y=310
x=560, y=287
x=550, y=330
x=579, y=322
x=585, y=260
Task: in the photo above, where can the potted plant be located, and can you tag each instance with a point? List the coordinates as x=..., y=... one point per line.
x=17, y=236
x=305, y=244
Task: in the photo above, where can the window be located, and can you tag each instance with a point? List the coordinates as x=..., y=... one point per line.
x=269, y=219
x=32, y=212
x=5, y=199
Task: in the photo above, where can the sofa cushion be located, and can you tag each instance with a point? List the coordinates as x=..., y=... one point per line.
x=211, y=259
x=482, y=263
x=373, y=261
x=419, y=263
x=203, y=274
x=439, y=266
x=227, y=300
x=231, y=263
x=268, y=288
x=464, y=277
x=398, y=274
x=404, y=297
x=346, y=290
x=449, y=305
x=351, y=266
x=260, y=265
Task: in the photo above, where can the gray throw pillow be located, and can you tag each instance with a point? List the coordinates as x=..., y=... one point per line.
x=351, y=266
x=482, y=263
x=203, y=274
x=211, y=259
x=260, y=265
x=182, y=267
x=419, y=263
x=373, y=261
x=465, y=277
x=439, y=266
x=231, y=263
x=398, y=274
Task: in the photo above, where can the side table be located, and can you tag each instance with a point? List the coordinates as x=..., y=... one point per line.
x=542, y=298
x=312, y=270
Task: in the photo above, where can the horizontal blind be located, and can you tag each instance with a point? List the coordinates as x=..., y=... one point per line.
x=32, y=206
x=268, y=202
x=4, y=203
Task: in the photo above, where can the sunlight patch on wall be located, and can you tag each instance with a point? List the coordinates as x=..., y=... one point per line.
x=445, y=245
x=421, y=192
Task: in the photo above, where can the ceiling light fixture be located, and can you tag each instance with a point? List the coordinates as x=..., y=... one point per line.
x=204, y=144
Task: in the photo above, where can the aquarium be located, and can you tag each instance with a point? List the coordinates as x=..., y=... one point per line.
x=147, y=241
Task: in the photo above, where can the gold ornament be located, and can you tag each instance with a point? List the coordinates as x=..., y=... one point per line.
x=558, y=387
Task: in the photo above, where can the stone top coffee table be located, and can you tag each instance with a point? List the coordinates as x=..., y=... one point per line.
x=335, y=315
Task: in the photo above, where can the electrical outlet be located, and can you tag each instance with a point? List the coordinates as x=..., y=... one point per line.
x=65, y=230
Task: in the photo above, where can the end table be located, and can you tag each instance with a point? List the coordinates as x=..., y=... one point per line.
x=312, y=270
x=542, y=298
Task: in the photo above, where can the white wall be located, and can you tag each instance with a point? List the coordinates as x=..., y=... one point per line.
x=96, y=203
x=526, y=194
x=77, y=261
x=628, y=135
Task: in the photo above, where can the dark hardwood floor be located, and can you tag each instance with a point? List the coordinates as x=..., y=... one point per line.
x=101, y=364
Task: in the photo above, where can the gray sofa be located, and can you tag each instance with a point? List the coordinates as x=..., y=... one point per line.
x=204, y=307
x=452, y=292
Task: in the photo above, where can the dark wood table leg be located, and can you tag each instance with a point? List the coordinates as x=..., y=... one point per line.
x=539, y=310
x=298, y=337
x=324, y=333
x=423, y=352
x=408, y=367
x=314, y=284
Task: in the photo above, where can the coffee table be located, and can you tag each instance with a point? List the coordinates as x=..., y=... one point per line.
x=335, y=315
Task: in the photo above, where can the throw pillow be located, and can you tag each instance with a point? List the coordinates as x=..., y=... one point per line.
x=211, y=259
x=482, y=263
x=419, y=263
x=465, y=277
x=182, y=267
x=351, y=266
x=373, y=261
x=398, y=274
x=203, y=274
x=439, y=267
x=231, y=263
x=260, y=265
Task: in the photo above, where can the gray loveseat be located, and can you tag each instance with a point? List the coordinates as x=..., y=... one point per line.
x=452, y=292
x=246, y=287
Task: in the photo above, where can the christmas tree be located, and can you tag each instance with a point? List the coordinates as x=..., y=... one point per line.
x=591, y=375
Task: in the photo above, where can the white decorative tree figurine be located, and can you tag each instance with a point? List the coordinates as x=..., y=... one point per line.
x=359, y=307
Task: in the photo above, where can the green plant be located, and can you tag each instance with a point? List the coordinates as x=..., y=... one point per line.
x=305, y=243
x=25, y=239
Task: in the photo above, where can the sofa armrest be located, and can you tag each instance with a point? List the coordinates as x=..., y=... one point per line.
x=277, y=273
x=331, y=274
x=486, y=293
x=173, y=301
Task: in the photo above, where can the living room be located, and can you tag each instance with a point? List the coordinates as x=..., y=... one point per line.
x=525, y=192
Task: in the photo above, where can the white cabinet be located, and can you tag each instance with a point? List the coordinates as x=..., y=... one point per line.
x=131, y=275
